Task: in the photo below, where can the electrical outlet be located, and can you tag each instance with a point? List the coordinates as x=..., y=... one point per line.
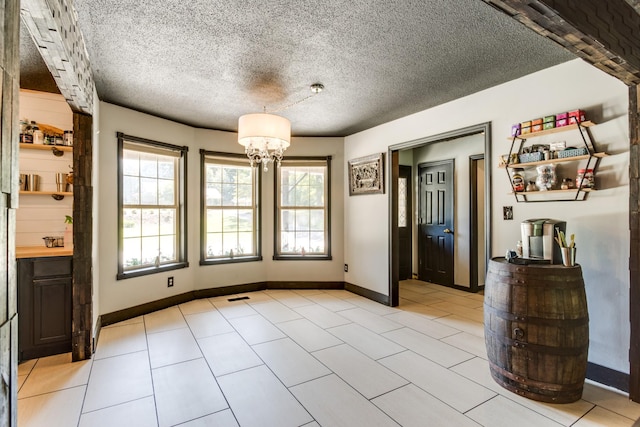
x=170, y=282
x=346, y=268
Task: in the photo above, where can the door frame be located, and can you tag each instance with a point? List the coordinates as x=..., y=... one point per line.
x=393, y=154
x=473, y=225
x=450, y=200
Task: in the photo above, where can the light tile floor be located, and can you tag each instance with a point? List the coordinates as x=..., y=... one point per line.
x=298, y=358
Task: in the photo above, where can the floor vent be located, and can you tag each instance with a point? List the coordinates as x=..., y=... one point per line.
x=237, y=299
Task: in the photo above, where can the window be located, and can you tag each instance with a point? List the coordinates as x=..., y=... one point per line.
x=230, y=209
x=151, y=206
x=302, y=209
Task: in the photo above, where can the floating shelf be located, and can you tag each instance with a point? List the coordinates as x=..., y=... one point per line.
x=46, y=147
x=542, y=193
x=584, y=124
x=546, y=162
x=47, y=193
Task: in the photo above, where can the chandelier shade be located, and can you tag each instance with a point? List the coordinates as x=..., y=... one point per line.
x=264, y=136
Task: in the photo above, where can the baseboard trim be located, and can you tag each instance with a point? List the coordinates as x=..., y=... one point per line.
x=229, y=290
x=305, y=285
x=367, y=293
x=142, y=309
x=607, y=376
x=96, y=334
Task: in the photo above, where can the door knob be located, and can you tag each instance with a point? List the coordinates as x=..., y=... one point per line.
x=446, y=230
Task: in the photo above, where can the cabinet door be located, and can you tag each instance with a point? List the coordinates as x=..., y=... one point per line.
x=51, y=310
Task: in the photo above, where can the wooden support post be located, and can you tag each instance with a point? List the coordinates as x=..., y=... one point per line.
x=9, y=130
x=634, y=255
x=82, y=320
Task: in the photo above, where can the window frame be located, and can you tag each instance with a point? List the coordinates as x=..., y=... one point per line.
x=181, y=190
x=233, y=157
x=277, y=211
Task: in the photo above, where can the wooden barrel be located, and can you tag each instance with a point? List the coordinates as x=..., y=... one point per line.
x=536, y=328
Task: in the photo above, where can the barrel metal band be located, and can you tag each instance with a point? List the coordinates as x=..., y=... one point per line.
x=560, y=323
x=538, y=384
x=539, y=348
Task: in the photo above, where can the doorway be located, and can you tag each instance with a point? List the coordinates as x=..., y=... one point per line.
x=393, y=171
x=435, y=222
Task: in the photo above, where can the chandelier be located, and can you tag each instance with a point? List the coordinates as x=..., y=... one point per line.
x=265, y=136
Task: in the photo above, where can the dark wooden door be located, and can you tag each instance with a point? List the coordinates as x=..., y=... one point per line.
x=404, y=222
x=435, y=242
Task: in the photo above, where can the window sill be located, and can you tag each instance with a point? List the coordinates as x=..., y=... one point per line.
x=302, y=257
x=230, y=260
x=151, y=270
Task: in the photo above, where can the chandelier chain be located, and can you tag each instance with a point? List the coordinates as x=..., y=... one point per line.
x=316, y=88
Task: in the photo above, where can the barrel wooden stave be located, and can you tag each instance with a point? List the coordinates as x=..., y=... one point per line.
x=536, y=330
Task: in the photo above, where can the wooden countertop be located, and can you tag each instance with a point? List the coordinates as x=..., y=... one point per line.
x=41, y=251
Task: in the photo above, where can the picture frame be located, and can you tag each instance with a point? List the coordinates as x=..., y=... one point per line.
x=366, y=175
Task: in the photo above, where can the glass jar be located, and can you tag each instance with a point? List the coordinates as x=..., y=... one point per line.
x=517, y=180
x=585, y=178
x=546, y=179
x=567, y=184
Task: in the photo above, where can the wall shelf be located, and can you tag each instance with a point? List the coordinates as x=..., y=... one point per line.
x=585, y=124
x=550, y=161
x=57, y=150
x=45, y=147
x=591, y=161
x=547, y=192
x=57, y=195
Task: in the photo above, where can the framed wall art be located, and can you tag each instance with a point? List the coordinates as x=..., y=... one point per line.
x=366, y=175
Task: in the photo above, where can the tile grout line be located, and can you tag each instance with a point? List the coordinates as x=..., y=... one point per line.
x=153, y=386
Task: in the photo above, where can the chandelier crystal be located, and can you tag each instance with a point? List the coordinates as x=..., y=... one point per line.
x=265, y=137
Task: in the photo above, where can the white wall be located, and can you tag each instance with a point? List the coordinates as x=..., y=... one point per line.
x=600, y=223
x=41, y=215
x=120, y=294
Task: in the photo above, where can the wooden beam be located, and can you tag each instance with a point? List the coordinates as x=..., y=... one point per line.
x=634, y=4
x=590, y=42
x=53, y=27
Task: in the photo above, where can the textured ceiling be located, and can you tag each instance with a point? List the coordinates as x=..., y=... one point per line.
x=204, y=63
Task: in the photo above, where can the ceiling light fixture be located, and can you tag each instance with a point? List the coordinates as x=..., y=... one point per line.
x=265, y=136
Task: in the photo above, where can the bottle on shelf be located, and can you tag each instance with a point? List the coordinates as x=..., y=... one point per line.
x=38, y=135
x=26, y=133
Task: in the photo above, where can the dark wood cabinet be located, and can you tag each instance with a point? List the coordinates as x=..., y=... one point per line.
x=44, y=306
